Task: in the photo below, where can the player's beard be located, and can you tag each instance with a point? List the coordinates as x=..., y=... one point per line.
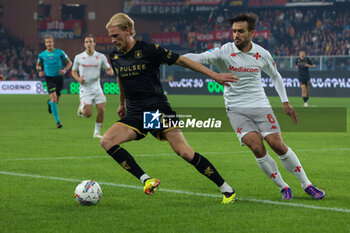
x=242, y=45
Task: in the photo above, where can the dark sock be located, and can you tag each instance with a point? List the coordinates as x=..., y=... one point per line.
x=125, y=160
x=305, y=99
x=206, y=168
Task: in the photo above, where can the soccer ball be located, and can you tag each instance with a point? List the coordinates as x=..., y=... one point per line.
x=88, y=192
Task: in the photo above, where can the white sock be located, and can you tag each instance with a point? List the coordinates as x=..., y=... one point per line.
x=269, y=167
x=225, y=188
x=291, y=162
x=144, y=177
x=98, y=127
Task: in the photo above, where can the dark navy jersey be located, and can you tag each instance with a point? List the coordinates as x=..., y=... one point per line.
x=138, y=72
x=303, y=70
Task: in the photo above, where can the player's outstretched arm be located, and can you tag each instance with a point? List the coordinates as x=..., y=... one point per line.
x=290, y=111
x=221, y=78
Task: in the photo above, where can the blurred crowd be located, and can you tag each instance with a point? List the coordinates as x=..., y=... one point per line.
x=17, y=61
x=318, y=31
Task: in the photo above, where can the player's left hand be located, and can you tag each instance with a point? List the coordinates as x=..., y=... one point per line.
x=225, y=78
x=63, y=71
x=121, y=111
x=289, y=110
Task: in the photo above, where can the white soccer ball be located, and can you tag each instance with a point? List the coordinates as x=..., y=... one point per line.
x=88, y=192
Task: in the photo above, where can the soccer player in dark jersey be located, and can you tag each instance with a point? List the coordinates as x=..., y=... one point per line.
x=50, y=65
x=136, y=65
x=302, y=64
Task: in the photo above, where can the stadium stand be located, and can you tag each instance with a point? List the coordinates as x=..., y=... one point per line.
x=17, y=61
x=329, y=33
x=321, y=31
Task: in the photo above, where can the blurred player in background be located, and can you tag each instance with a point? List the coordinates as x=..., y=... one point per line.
x=136, y=65
x=2, y=78
x=50, y=65
x=89, y=65
x=302, y=64
x=247, y=106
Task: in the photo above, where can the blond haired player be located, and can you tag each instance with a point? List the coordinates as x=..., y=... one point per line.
x=136, y=64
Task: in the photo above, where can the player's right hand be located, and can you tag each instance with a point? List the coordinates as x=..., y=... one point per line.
x=226, y=78
x=289, y=110
x=121, y=111
x=41, y=73
x=82, y=80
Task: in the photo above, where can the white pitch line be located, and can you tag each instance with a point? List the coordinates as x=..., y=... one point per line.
x=104, y=156
x=183, y=192
x=164, y=154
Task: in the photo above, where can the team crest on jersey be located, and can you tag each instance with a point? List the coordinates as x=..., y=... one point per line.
x=257, y=56
x=157, y=46
x=115, y=57
x=138, y=54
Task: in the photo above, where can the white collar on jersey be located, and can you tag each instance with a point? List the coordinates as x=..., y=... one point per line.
x=90, y=55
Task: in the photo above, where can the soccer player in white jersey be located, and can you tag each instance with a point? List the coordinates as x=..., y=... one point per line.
x=86, y=70
x=247, y=106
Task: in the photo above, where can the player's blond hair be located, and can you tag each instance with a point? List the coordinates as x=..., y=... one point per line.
x=122, y=21
x=48, y=36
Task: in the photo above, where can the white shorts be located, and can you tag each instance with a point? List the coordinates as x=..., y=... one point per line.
x=92, y=97
x=245, y=120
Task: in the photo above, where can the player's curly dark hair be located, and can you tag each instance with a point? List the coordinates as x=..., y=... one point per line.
x=250, y=18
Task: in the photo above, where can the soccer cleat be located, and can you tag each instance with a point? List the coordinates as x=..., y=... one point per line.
x=49, y=109
x=59, y=125
x=306, y=105
x=228, y=198
x=287, y=193
x=79, y=112
x=97, y=135
x=314, y=192
x=151, y=185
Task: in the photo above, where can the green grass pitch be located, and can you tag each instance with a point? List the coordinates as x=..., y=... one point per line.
x=41, y=165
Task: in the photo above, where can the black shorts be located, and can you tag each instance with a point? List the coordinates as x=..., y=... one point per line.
x=54, y=84
x=140, y=122
x=305, y=80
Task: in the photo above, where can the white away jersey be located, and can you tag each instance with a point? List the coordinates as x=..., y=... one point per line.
x=90, y=67
x=248, y=91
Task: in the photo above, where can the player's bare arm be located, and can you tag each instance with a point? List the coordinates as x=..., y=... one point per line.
x=39, y=69
x=221, y=78
x=110, y=71
x=67, y=67
x=290, y=111
x=76, y=76
x=121, y=109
